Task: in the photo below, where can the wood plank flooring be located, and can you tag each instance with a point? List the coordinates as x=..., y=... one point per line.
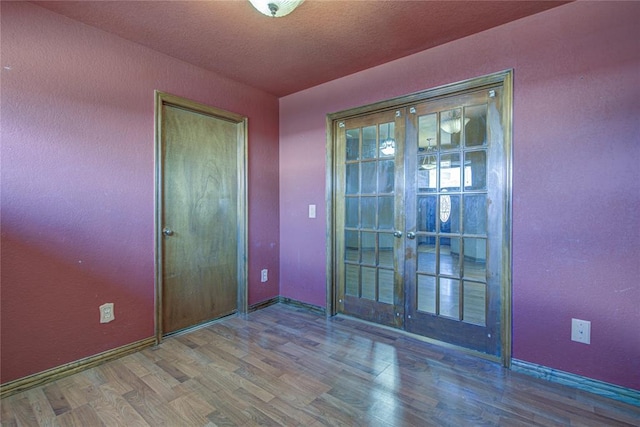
x=283, y=366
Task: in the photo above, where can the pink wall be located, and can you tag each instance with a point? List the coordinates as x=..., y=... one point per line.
x=576, y=180
x=78, y=185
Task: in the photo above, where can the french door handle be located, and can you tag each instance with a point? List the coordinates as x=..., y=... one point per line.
x=397, y=233
x=411, y=235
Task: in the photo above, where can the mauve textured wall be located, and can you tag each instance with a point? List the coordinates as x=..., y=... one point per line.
x=78, y=185
x=576, y=180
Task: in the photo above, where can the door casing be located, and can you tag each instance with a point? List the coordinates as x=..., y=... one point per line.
x=505, y=78
x=165, y=99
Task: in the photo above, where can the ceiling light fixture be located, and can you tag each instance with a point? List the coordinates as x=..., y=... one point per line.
x=453, y=124
x=428, y=161
x=388, y=146
x=275, y=8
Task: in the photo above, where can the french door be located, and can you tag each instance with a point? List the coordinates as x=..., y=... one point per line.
x=421, y=218
x=369, y=200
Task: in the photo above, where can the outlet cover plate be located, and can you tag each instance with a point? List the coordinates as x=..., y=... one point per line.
x=581, y=331
x=106, y=313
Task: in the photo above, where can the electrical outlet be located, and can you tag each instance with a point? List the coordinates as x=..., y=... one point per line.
x=264, y=275
x=581, y=331
x=106, y=313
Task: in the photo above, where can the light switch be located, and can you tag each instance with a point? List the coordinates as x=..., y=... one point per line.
x=312, y=211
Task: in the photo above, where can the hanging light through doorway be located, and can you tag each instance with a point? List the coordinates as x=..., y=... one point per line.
x=388, y=146
x=453, y=123
x=428, y=161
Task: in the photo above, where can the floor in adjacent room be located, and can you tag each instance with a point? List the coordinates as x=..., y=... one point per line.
x=287, y=366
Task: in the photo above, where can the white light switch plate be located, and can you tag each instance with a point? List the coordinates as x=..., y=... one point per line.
x=312, y=211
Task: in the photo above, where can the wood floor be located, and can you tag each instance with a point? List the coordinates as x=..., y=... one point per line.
x=287, y=366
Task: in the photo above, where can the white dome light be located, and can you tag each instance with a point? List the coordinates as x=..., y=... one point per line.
x=275, y=8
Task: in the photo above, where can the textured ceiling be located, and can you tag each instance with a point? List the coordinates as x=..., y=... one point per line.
x=320, y=41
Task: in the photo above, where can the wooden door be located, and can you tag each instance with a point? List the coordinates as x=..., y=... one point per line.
x=368, y=207
x=421, y=215
x=455, y=212
x=200, y=226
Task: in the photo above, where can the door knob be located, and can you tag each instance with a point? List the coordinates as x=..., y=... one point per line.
x=397, y=233
x=167, y=231
x=411, y=235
